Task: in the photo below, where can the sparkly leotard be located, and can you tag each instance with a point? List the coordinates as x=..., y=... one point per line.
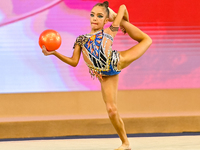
x=98, y=54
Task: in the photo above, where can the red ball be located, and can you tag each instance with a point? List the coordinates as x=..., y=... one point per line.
x=50, y=39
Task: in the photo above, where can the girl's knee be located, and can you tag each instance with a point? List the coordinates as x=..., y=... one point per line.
x=112, y=111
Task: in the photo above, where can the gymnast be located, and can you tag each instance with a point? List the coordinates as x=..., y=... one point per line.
x=104, y=62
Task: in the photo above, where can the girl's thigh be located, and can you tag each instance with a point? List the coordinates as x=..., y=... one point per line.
x=109, y=87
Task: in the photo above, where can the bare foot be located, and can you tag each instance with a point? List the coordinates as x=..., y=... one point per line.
x=112, y=15
x=124, y=147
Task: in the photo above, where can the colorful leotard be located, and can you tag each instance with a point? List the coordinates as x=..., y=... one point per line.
x=98, y=54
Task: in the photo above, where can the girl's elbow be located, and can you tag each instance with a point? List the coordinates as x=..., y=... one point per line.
x=74, y=64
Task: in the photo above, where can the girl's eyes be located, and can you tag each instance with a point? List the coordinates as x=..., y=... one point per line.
x=100, y=16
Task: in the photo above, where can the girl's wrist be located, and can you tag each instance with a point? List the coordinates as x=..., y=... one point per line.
x=54, y=53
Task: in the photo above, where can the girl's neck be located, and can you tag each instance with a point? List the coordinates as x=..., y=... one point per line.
x=94, y=31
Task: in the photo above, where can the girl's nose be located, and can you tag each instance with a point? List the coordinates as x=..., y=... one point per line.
x=95, y=18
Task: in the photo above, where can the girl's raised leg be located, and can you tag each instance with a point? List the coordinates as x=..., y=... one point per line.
x=133, y=53
x=109, y=87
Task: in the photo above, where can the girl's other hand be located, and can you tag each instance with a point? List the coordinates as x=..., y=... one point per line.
x=45, y=52
x=123, y=29
x=112, y=15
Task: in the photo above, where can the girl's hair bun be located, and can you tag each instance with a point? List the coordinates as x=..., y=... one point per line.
x=106, y=3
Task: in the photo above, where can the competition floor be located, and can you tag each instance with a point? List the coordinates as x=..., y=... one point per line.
x=189, y=142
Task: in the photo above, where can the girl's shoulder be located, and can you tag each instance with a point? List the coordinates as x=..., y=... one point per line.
x=80, y=40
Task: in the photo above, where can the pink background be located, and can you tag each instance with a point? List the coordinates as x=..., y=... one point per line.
x=173, y=60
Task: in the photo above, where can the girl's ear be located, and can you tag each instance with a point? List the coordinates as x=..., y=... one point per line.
x=106, y=20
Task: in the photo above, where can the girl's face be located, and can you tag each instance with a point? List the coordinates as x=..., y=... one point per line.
x=98, y=18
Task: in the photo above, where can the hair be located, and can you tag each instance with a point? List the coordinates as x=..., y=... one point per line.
x=105, y=4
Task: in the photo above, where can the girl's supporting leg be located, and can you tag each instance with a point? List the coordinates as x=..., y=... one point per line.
x=128, y=56
x=109, y=87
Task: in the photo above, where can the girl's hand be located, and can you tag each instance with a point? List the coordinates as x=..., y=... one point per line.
x=45, y=52
x=112, y=15
x=123, y=29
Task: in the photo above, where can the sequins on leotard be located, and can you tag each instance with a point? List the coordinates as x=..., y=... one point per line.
x=98, y=55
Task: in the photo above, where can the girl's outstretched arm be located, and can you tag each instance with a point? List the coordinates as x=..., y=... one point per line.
x=72, y=61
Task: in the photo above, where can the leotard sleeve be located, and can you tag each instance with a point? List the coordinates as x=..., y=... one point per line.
x=80, y=40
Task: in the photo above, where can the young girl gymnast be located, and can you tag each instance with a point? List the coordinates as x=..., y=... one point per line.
x=105, y=63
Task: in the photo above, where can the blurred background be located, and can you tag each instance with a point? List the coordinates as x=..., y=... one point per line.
x=43, y=97
x=171, y=62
